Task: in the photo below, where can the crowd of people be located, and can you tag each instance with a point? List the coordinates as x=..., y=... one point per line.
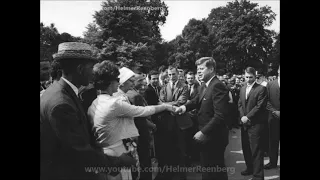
x=95, y=114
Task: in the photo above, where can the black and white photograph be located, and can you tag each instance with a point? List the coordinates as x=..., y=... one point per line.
x=159, y=90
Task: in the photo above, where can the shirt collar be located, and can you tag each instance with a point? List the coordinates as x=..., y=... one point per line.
x=121, y=92
x=74, y=88
x=173, y=84
x=207, y=83
x=251, y=84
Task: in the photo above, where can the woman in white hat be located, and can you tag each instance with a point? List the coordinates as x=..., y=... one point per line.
x=112, y=116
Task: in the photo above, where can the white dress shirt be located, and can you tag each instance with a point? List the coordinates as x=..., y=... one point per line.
x=74, y=88
x=279, y=81
x=248, y=89
x=264, y=83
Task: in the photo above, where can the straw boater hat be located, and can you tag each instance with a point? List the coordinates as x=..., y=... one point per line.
x=125, y=74
x=74, y=50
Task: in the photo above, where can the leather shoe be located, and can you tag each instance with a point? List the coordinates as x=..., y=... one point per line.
x=246, y=172
x=270, y=166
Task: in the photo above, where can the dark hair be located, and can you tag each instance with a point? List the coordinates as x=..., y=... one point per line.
x=250, y=70
x=55, y=70
x=70, y=65
x=209, y=62
x=162, y=68
x=172, y=67
x=152, y=72
x=190, y=73
x=104, y=73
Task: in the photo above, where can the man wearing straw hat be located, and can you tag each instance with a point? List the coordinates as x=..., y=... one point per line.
x=65, y=136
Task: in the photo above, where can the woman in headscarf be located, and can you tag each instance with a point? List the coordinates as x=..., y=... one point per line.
x=112, y=117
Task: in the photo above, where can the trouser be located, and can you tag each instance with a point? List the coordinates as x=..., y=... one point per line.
x=251, y=140
x=274, y=140
x=145, y=160
x=212, y=158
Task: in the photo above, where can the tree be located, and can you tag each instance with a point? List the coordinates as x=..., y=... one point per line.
x=48, y=36
x=240, y=36
x=121, y=35
x=50, y=40
x=127, y=25
x=126, y=54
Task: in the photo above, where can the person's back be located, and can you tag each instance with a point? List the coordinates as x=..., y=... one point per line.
x=54, y=152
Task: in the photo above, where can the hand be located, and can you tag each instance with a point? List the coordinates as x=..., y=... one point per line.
x=276, y=113
x=199, y=137
x=127, y=160
x=179, y=110
x=244, y=119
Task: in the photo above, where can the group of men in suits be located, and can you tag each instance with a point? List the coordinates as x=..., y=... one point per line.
x=200, y=123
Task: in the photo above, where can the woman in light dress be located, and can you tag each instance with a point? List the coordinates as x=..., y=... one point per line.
x=112, y=116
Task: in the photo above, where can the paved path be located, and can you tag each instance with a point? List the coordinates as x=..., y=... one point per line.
x=234, y=160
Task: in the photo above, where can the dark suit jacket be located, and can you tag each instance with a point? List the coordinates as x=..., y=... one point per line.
x=273, y=103
x=151, y=96
x=141, y=122
x=87, y=95
x=196, y=89
x=194, y=92
x=212, y=105
x=65, y=140
x=254, y=107
x=179, y=97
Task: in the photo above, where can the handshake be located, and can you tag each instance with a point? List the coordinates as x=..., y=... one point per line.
x=175, y=110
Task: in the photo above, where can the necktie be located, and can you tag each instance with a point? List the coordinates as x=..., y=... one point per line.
x=172, y=88
x=190, y=89
x=247, y=91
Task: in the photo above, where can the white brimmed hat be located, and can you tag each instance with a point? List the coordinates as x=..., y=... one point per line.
x=125, y=74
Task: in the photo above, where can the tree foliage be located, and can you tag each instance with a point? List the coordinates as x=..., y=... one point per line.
x=128, y=37
x=50, y=38
x=235, y=35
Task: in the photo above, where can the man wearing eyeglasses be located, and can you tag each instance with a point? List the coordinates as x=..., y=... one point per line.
x=252, y=108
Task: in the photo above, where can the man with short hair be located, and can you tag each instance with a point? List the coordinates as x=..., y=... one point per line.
x=252, y=108
x=193, y=89
x=261, y=79
x=65, y=133
x=175, y=127
x=212, y=105
x=273, y=107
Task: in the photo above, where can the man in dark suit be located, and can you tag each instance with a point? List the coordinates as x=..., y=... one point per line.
x=153, y=89
x=193, y=90
x=273, y=106
x=65, y=140
x=213, y=135
x=174, y=127
x=143, y=126
x=252, y=108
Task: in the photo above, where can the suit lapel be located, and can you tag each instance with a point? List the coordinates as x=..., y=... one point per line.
x=204, y=90
x=277, y=88
x=252, y=89
x=76, y=100
x=243, y=95
x=176, y=89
